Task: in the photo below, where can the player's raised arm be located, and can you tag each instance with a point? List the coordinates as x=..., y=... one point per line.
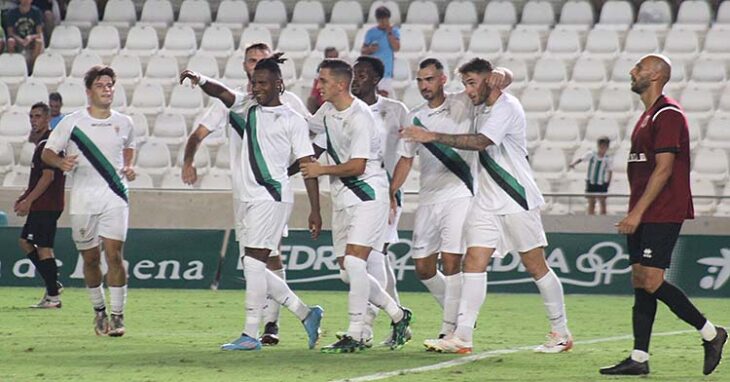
x=475, y=142
x=210, y=86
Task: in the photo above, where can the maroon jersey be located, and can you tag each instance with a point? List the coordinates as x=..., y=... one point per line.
x=661, y=129
x=52, y=198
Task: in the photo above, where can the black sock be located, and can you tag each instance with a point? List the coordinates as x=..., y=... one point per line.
x=680, y=305
x=33, y=257
x=642, y=318
x=49, y=271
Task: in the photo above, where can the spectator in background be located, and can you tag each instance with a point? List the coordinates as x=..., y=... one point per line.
x=382, y=41
x=10, y=43
x=315, y=98
x=55, y=102
x=49, y=22
x=600, y=171
x=25, y=26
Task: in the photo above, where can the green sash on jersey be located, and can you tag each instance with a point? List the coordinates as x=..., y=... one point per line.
x=255, y=156
x=450, y=159
x=99, y=162
x=507, y=182
x=361, y=189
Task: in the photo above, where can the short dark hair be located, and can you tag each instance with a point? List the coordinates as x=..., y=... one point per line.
x=330, y=49
x=257, y=46
x=431, y=61
x=382, y=12
x=55, y=96
x=374, y=62
x=604, y=141
x=97, y=71
x=338, y=67
x=476, y=65
x=42, y=105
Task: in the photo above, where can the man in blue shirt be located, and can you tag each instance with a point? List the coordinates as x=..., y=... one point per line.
x=55, y=103
x=382, y=41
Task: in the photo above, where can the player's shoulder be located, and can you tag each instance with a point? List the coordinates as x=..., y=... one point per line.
x=121, y=116
x=71, y=119
x=394, y=104
x=507, y=103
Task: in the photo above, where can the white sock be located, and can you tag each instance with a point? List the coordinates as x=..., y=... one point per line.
x=118, y=298
x=370, y=316
x=639, y=355
x=382, y=300
x=282, y=295
x=452, y=297
x=437, y=286
x=272, y=308
x=551, y=291
x=97, y=297
x=358, y=296
x=376, y=267
x=256, y=285
x=390, y=287
x=473, y=294
x=708, y=332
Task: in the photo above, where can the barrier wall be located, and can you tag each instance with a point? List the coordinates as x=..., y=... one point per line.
x=592, y=263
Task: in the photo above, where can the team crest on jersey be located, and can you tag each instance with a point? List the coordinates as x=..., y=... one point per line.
x=116, y=129
x=383, y=113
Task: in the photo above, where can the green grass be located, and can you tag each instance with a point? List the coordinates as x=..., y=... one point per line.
x=175, y=334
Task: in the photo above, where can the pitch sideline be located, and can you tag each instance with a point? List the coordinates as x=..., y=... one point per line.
x=485, y=355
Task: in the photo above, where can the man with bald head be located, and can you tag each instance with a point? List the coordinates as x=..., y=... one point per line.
x=660, y=201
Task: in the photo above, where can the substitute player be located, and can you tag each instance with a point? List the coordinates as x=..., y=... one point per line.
x=505, y=214
x=660, y=201
x=42, y=203
x=99, y=147
x=272, y=134
x=390, y=116
x=359, y=199
x=214, y=119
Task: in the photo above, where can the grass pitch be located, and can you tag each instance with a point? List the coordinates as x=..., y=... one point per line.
x=174, y=335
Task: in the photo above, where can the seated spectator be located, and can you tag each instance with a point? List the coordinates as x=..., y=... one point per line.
x=49, y=21
x=25, y=26
x=314, y=101
x=55, y=103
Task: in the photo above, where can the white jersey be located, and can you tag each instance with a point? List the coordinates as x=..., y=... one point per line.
x=272, y=135
x=506, y=184
x=99, y=143
x=391, y=116
x=446, y=173
x=347, y=134
x=216, y=118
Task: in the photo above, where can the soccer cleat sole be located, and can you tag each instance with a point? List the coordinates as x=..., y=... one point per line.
x=269, y=340
x=116, y=332
x=437, y=349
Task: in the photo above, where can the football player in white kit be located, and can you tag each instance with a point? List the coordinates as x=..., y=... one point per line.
x=215, y=119
x=505, y=213
x=359, y=199
x=99, y=146
x=391, y=116
x=272, y=133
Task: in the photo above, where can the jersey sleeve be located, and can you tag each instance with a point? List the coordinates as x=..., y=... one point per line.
x=396, y=32
x=293, y=101
x=214, y=117
x=58, y=140
x=320, y=140
x=130, y=142
x=316, y=122
x=407, y=149
x=299, y=135
x=609, y=163
x=668, y=126
x=496, y=126
x=586, y=156
x=363, y=129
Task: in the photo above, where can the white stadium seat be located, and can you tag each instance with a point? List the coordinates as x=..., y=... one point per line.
x=222, y=157
x=562, y=132
x=157, y=14
x=74, y=95
x=538, y=14
x=308, y=15
x=655, y=12
x=142, y=181
x=295, y=42
x=104, y=41
x=616, y=102
x=13, y=69
x=694, y=14
x=500, y=14
x=347, y=14
x=233, y=74
x=485, y=42
x=723, y=13
x=717, y=134
x=50, y=69
x=7, y=156
x=616, y=15
x=201, y=161
x=524, y=44
x=30, y=92
x=640, y=42
x=120, y=14
x=412, y=44
x=461, y=14
x=697, y=101
x=128, y=69
x=576, y=15
x=5, y=99
x=549, y=163
x=709, y=74
x=701, y=188
x=170, y=129
x=195, y=14
x=153, y=157
x=215, y=180
x=66, y=40
x=185, y=100
x=332, y=36
x=588, y=72
x=120, y=99
x=180, y=42
x=711, y=164
x=422, y=12
x=141, y=42
x=15, y=127
x=716, y=45
x=681, y=44
x=148, y=98
x=602, y=44
x=232, y=14
x=255, y=34
x=599, y=126
x=563, y=44
x=550, y=73
x=162, y=70
x=81, y=13
x=218, y=42
x=141, y=128
x=204, y=64
x=576, y=101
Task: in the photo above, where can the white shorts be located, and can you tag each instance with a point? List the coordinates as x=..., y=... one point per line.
x=110, y=224
x=519, y=232
x=361, y=224
x=263, y=223
x=439, y=227
x=390, y=235
x=239, y=214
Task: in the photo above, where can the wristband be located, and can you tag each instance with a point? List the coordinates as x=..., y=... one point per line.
x=203, y=79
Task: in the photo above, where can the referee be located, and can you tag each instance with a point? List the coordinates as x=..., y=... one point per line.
x=658, y=171
x=42, y=202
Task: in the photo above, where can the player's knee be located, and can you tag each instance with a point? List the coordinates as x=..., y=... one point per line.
x=114, y=259
x=425, y=270
x=344, y=276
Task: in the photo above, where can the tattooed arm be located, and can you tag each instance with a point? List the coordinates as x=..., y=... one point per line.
x=475, y=142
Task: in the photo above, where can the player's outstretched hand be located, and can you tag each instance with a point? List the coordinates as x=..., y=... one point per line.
x=189, y=174
x=310, y=169
x=416, y=134
x=68, y=163
x=194, y=77
x=315, y=224
x=129, y=173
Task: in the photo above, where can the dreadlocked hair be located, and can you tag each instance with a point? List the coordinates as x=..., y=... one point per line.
x=271, y=64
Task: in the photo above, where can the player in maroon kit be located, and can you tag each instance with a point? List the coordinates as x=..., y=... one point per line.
x=42, y=202
x=658, y=171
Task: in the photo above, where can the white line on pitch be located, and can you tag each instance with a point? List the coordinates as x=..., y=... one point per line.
x=485, y=355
